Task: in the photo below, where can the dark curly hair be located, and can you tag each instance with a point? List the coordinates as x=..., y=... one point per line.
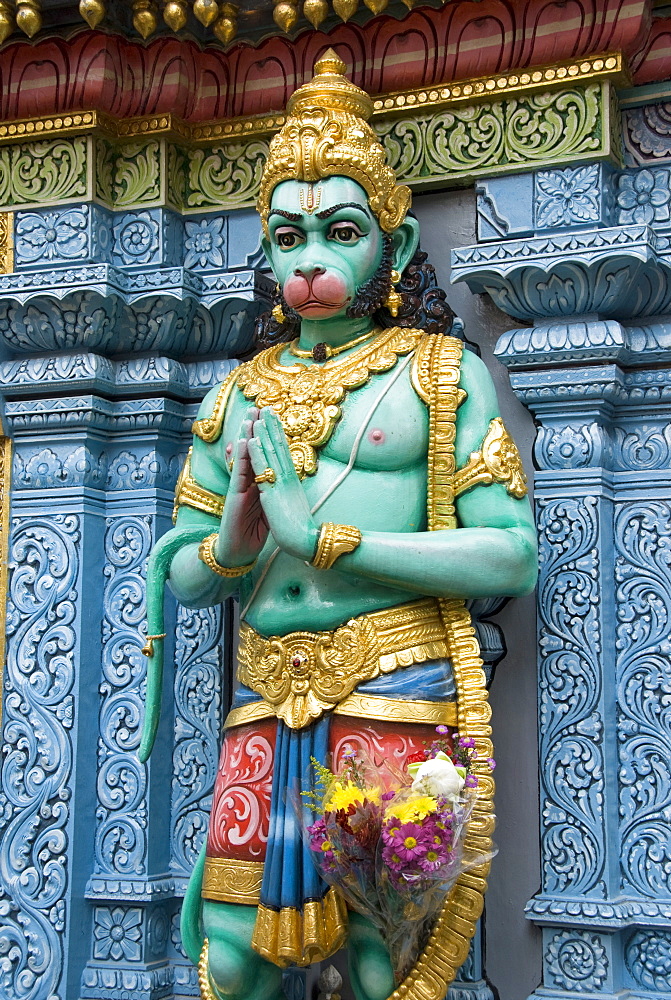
x=424, y=305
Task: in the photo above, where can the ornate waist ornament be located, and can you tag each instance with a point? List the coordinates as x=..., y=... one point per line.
x=307, y=397
x=304, y=674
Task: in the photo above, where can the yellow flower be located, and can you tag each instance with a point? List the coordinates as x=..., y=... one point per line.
x=411, y=812
x=345, y=794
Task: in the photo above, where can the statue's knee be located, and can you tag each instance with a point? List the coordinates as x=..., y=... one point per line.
x=376, y=980
x=227, y=964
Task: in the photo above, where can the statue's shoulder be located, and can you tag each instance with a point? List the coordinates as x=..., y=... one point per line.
x=436, y=364
x=210, y=420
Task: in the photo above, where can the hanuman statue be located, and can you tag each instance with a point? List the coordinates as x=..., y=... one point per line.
x=353, y=484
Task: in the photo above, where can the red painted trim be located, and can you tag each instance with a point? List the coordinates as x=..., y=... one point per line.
x=463, y=39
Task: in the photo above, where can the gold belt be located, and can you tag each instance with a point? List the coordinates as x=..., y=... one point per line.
x=302, y=675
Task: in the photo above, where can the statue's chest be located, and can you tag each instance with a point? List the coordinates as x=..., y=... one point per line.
x=383, y=425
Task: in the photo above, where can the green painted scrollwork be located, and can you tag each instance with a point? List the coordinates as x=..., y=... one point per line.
x=227, y=176
x=43, y=172
x=550, y=128
x=137, y=174
x=178, y=165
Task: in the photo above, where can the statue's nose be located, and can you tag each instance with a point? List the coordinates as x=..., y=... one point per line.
x=309, y=271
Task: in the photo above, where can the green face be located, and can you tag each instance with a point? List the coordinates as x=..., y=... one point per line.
x=325, y=243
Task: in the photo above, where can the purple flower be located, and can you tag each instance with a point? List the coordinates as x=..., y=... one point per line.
x=411, y=841
x=471, y=781
x=386, y=796
x=467, y=742
x=492, y=763
x=434, y=858
x=442, y=729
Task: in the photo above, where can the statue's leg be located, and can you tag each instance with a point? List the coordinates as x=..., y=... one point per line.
x=237, y=972
x=370, y=971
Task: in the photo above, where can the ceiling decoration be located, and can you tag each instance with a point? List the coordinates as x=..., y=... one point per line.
x=204, y=19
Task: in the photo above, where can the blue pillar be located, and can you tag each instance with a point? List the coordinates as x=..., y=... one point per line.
x=99, y=401
x=585, y=262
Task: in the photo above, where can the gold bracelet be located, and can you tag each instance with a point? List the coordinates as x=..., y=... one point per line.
x=206, y=553
x=335, y=540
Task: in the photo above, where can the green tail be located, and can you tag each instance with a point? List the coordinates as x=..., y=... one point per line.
x=158, y=569
x=190, y=923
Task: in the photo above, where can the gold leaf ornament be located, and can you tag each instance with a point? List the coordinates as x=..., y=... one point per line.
x=175, y=14
x=315, y=11
x=6, y=21
x=28, y=17
x=206, y=11
x=285, y=15
x=93, y=12
x=226, y=28
x=345, y=8
x=144, y=17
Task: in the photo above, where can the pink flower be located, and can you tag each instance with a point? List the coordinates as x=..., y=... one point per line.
x=410, y=841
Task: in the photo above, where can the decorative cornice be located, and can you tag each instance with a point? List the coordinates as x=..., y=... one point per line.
x=428, y=48
x=611, y=66
x=610, y=914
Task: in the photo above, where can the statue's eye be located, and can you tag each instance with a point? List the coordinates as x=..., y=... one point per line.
x=345, y=232
x=287, y=239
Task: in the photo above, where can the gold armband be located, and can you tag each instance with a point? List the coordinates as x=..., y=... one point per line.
x=190, y=493
x=335, y=540
x=206, y=553
x=498, y=461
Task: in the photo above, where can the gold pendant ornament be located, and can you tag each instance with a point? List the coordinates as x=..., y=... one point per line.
x=306, y=398
x=394, y=300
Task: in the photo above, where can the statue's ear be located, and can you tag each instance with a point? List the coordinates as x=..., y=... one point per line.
x=406, y=241
x=266, y=246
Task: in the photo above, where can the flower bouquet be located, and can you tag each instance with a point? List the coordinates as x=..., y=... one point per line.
x=392, y=841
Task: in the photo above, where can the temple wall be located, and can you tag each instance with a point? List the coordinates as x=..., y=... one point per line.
x=537, y=145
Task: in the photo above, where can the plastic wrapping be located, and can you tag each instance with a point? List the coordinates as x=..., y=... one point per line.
x=392, y=841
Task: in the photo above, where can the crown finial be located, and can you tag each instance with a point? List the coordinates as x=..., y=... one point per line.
x=330, y=64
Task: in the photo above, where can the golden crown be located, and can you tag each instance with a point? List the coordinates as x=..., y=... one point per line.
x=326, y=134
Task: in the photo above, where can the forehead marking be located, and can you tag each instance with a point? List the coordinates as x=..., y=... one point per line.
x=312, y=201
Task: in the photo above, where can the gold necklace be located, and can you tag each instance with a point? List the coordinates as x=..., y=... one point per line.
x=307, y=397
x=323, y=351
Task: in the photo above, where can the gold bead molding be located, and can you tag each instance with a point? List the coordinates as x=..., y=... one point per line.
x=610, y=66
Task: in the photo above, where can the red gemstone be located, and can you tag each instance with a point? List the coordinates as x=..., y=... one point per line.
x=296, y=662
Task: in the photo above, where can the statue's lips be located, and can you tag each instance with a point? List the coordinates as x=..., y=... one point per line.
x=314, y=303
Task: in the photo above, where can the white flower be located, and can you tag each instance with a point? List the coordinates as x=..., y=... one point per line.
x=437, y=776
